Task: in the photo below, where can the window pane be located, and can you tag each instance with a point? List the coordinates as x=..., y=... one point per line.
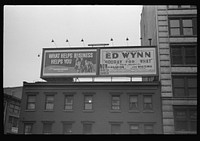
x=190, y=51
x=87, y=128
x=190, y=60
x=177, y=60
x=134, y=129
x=69, y=99
x=174, y=31
x=179, y=92
x=192, y=82
x=31, y=98
x=115, y=128
x=28, y=128
x=148, y=103
x=176, y=51
x=178, y=82
x=148, y=129
x=68, y=107
x=49, y=106
x=185, y=6
x=47, y=127
x=181, y=126
x=88, y=106
x=133, y=102
x=187, y=23
x=172, y=6
x=174, y=23
x=115, y=102
x=31, y=106
x=192, y=92
x=67, y=128
x=181, y=114
x=187, y=31
x=147, y=99
x=50, y=98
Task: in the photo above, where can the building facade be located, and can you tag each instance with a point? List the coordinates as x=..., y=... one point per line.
x=91, y=108
x=12, y=101
x=173, y=29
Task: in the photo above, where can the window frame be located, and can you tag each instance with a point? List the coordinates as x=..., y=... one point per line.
x=137, y=103
x=27, y=104
x=47, y=102
x=87, y=102
x=138, y=130
x=146, y=131
x=67, y=123
x=180, y=19
x=187, y=120
x=183, y=48
x=145, y=109
x=84, y=123
x=24, y=129
x=119, y=105
x=47, y=123
x=118, y=124
x=68, y=104
x=185, y=87
x=180, y=7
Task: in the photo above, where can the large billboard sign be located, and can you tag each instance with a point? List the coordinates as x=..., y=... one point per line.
x=69, y=62
x=128, y=61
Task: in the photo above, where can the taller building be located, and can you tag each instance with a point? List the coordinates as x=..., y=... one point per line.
x=173, y=29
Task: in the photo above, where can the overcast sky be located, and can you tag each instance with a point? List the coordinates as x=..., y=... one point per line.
x=28, y=29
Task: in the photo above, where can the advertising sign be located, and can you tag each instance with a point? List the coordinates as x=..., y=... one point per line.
x=69, y=62
x=127, y=61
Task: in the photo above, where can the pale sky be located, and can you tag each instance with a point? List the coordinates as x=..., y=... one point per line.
x=28, y=29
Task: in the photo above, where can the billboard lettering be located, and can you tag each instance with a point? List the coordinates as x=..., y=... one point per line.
x=69, y=62
x=128, y=61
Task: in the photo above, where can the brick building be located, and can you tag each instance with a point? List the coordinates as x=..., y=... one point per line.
x=91, y=108
x=173, y=29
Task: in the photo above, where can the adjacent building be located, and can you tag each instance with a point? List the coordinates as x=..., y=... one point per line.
x=12, y=101
x=91, y=108
x=173, y=29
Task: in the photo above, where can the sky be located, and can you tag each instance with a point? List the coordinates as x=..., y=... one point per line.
x=27, y=29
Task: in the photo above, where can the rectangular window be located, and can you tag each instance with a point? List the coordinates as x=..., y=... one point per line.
x=88, y=101
x=148, y=102
x=31, y=102
x=49, y=103
x=13, y=121
x=184, y=86
x=133, y=102
x=67, y=128
x=28, y=128
x=115, y=102
x=148, y=129
x=134, y=128
x=115, y=128
x=14, y=108
x=87, y=128
x=183, y=54
x=185, y=118
x=186, y=26
x=47, y=127
x=68, y=102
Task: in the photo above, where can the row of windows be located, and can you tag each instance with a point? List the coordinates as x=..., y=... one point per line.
x=184, y=86
x=134, y=128
x=88, y=102
x=181, y=6
x=183, y=54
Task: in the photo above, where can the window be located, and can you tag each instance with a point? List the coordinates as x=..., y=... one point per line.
x=87, y=128
x=14, y=108
x=183, y=54
x=67, y=128
x=148, y=102
x=115, y=128
x=68, y=102
x=133, y=102
x=49, y=103
x=88, y=101
x=134, y=128
x=181, y=6
x=31, y=100
x=185, y=118
x=115, y=102
x=28, y=128
x=186, y=26
x=47, y=127
x=148, y=129
x=13, y=121
x=184, y=86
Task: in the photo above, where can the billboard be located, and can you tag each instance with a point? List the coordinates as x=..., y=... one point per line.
x=69, y=62
x=127, y=61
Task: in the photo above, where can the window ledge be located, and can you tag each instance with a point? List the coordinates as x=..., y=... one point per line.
x=115, y=111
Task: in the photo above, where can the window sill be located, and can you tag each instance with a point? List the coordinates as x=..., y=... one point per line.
x=88, y=111
x=30, y=110
x=148, y=111
x=48, y=110
x=115, y=111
